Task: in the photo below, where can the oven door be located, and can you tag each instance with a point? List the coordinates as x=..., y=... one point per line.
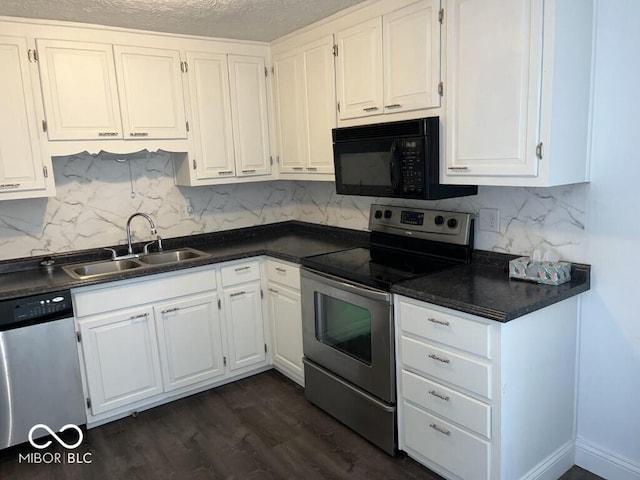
x=348, y=329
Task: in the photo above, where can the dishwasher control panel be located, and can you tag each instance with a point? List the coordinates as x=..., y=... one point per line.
x=35, y=308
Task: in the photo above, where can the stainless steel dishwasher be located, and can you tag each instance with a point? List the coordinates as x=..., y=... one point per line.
x=39, y=368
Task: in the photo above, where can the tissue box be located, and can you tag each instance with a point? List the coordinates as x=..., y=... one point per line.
x=549, y=273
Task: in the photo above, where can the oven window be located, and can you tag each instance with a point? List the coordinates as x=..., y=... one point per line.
x=344, y=326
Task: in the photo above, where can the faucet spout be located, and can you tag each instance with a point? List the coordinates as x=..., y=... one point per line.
x=151, y=224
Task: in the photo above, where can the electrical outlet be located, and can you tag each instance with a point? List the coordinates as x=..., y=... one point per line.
x=187, y=212
x=489, y=219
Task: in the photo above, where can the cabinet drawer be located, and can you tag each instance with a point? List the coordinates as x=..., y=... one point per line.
x=454, y=449
x=460, y=408
x=283, y=273
x=468, y=373
x=445, y=328
x=240, y=273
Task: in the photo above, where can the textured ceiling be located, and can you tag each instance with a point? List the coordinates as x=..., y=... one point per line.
x=263, y=20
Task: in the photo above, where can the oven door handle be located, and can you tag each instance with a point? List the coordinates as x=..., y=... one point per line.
x=395, y=186
x=338, y=283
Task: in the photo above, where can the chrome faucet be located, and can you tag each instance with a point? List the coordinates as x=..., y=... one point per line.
x=153, y=230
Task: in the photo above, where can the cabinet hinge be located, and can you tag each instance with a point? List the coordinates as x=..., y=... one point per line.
x=224, y=361
x=271, y=160
x=278, y=159
x=88, y=402
x=338, y=106
x=273, y=70
x=187, y=124
x=265, y=348
x=44, y=126
x=441, y=16
x=539, y=151
x=335, y=49
x=78, y=337
x=219, y=305
x=195, y=164
x=266, y=72
x=441, y=89
x=45, y=171
x=261, y=293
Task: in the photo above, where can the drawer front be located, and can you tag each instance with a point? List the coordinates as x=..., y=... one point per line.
x=460, y=408
x=445, y=328
x=468, y=373
x=240, y=273
x=454, y=449
x=283, y=273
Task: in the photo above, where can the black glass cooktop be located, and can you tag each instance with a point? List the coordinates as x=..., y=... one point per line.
x=376, y=267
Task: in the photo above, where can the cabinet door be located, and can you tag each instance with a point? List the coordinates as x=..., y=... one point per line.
x=190, y=341
x=494, y=66
x=20, y=155
x=211, y=112
x=286, y=329
x=79, y=89
x=289, y=112
x=359, y=70
x=121, y=358
x=151, y=93
x=412, y=57
x=245, y=332
x=319, y=95
x=249, y=114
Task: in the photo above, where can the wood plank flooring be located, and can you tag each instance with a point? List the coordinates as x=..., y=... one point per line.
x=258, y=428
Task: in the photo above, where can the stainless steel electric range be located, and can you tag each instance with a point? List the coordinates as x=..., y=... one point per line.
x=347, y=312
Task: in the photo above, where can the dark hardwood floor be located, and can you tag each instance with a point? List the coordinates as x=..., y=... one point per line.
x=258, y=428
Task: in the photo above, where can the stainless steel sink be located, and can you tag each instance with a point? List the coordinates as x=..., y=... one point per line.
x=171, y=256
x=97, y=269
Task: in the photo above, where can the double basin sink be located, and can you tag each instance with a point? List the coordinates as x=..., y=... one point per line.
x=90, y=270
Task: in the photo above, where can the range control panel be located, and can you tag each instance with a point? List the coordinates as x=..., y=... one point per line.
x=438, y=225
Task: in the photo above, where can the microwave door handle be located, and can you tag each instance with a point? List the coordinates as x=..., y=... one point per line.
x=392, y=166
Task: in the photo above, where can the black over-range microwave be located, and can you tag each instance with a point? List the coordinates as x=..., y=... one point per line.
x=394, y=159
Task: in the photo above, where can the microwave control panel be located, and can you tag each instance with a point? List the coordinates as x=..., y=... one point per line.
x=412, y=165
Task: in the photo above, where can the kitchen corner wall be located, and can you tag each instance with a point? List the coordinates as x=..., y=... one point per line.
x=96, y=196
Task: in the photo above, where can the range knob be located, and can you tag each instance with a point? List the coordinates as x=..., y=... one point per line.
x=439, y=220
x=387, y=214
x=378, y=214
x=452, y=223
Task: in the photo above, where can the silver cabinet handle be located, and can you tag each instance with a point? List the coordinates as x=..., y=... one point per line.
x=297, y=169
x=141, y=315
x=237, y=294
x=395, y=105
x=169, y=310
x=10, y=185
x=370, y=109
x=139, y=134
x=107, y=134
x=273, y=290
x=241, y=269
x=440, y=429
x=439, y=322
x=226, y=172
x=281, y=270
x=439, y=395
x=248, y=171
x=312, y=169
x=440, y=359
x=458, y=169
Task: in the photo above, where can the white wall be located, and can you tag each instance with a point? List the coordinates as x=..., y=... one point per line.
x=609, y=388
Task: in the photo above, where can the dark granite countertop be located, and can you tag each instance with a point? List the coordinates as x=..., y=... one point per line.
x=481, y=288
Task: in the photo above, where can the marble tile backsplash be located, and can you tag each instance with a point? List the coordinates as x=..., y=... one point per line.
x=96, y=196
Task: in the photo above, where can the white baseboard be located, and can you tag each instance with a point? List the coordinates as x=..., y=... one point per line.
x=604, y=463
x=552, y=467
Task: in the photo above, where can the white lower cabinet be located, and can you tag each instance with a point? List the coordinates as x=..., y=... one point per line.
x=285, y=315
x=479, y=399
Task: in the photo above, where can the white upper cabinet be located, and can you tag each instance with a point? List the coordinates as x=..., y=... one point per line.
x=247, y=75
x=22, y=171
x=517, y=91
x=211, y=115
x=79, y=89
x=151, y=93
x=391, y=63
x=304, y=90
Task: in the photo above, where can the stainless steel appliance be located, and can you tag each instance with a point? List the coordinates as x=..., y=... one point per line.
x=394, y=159
x=347, y=314
x=39, y=368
